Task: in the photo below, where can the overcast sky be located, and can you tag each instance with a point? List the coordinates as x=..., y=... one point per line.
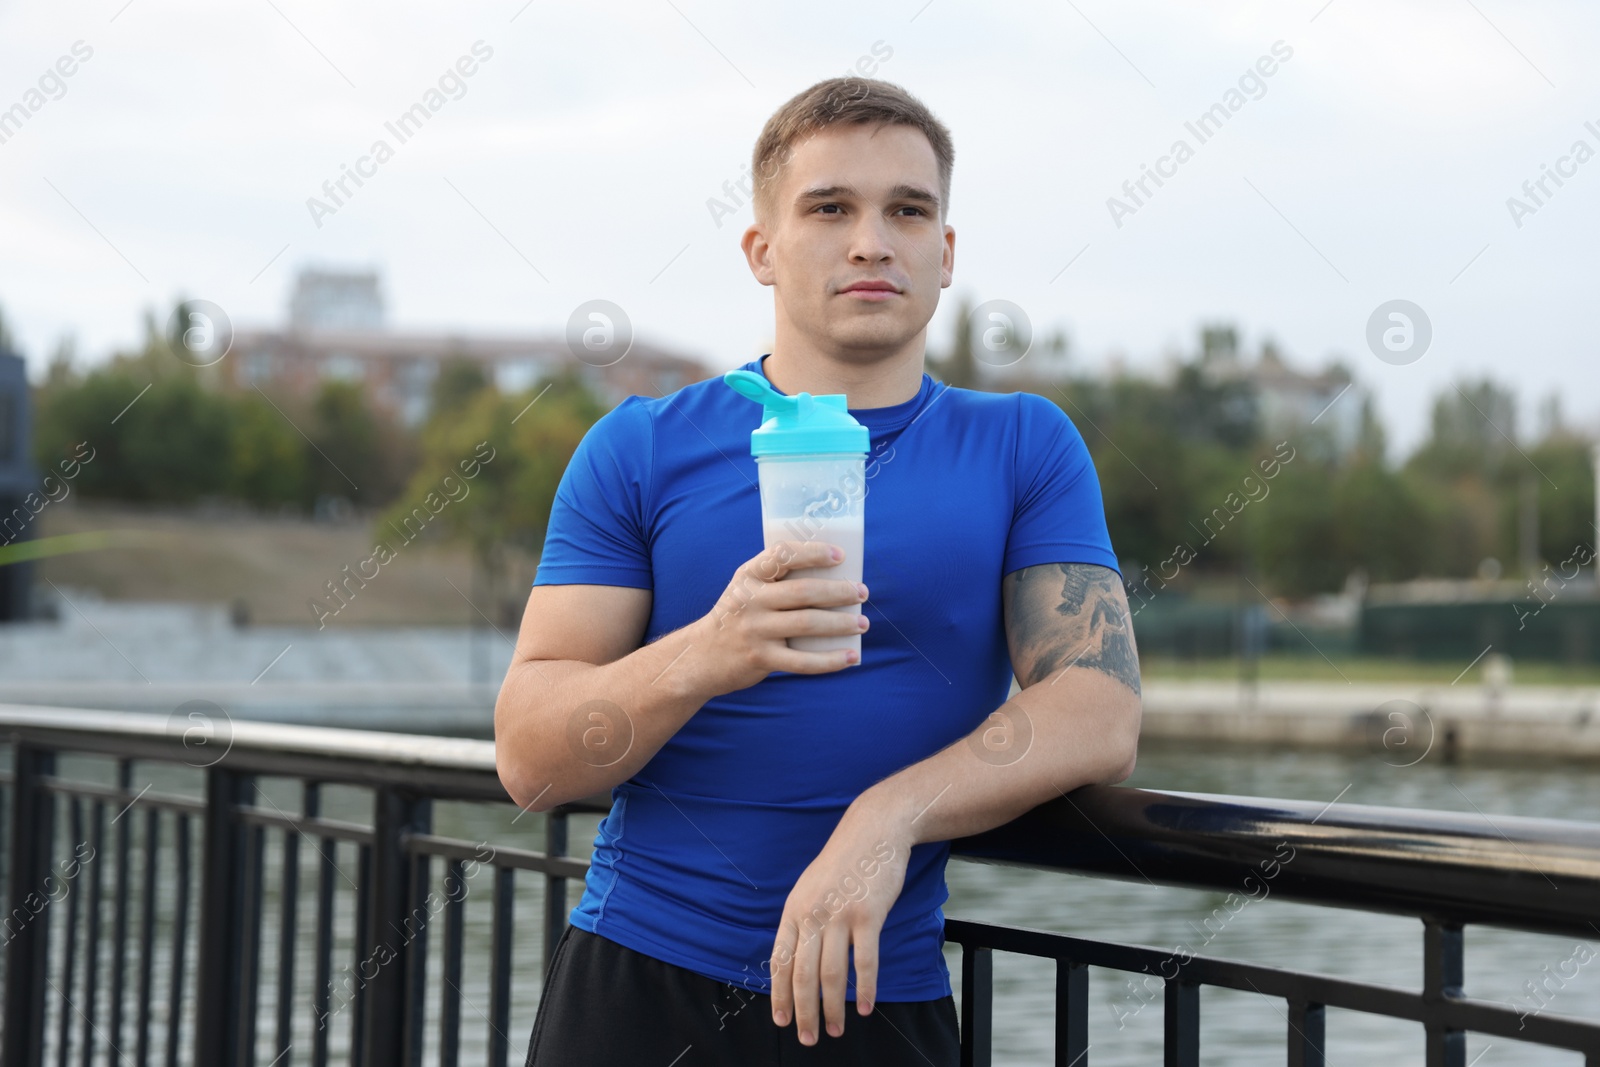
x=1375, y=163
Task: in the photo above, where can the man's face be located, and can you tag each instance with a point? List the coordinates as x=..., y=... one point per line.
x=855, y=204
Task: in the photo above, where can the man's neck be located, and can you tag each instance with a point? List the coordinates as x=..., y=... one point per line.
x=891, y=380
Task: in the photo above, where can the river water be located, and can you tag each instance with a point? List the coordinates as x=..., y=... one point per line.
x=1238, y=1029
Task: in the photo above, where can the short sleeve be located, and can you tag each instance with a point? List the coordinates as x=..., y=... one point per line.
x=598, y=532
x=1057, y=516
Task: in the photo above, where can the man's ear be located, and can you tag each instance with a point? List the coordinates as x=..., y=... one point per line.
x=947, y=265
x=758, y=253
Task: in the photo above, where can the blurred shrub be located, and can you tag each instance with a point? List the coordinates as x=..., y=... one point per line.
x=161, y=435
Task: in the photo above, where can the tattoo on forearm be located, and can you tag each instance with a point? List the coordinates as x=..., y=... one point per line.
x=1070, y=615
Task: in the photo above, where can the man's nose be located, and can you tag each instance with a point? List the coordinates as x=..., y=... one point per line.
x=872, y=240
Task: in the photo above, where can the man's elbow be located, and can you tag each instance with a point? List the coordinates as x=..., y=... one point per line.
x=530, y=798
x=1127, y=746
x=528, y=787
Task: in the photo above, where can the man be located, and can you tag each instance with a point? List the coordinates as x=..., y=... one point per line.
x=780, y=824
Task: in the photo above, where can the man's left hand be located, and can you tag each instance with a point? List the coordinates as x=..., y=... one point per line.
x=839, y=903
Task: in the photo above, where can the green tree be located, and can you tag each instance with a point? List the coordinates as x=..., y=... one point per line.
x=1474, y=431
x=515, y=455
x=360, y=454
x=460, y=379
x=161, y=434
x=1208, y=409
x=1469, y=520
x=1299, y=539
x=1381, y=526
x=1566, y=500
x=1372, y=442
x=268, y=462
x=175, y=442
x=158, y=436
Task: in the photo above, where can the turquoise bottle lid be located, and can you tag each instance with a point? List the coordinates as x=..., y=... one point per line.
x=796, y=425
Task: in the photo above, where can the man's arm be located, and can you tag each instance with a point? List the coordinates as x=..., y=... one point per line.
x=584, y=707
x=1076, y=721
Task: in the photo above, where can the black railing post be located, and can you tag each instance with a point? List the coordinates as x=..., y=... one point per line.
x=147, y=932
x=358, y=1011
x=555, y=889
x=253, y=852
x=26, y=924
x=977, y=1005
x=1308, y=1027
x=1072, y=1013
x=1442, y=978
x=218, y=978
x=418, y=919
x=288, y=937
x=387, y=1006
x=1182, y=1037
x=500, y=965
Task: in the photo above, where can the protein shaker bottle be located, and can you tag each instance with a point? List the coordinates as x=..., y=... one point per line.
x=811, y=460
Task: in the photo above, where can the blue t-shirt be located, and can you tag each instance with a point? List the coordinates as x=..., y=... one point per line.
x=702, y=846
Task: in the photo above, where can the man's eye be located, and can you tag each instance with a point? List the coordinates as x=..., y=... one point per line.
x=912, y=207
x=824, y=207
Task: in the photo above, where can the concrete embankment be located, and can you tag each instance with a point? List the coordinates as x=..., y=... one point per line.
x=1408, y=722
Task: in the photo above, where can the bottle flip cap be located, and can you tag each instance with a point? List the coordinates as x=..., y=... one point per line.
x=801, y=424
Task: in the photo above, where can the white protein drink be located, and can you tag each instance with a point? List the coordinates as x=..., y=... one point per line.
x=849, y=533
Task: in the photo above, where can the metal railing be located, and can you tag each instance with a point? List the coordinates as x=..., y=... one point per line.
x=80, y=1000
x=1446, y=869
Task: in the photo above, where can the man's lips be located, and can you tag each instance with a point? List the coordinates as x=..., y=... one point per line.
x=871, y=290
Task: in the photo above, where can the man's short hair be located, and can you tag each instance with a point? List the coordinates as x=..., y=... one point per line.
x=859, y=101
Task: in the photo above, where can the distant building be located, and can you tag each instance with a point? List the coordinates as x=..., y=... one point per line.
x=1287, y=400
x=332, y=300
x=337, y=331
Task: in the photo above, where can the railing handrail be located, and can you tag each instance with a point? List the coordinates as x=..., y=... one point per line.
x=455, y=753
x=451, y=768
x=1523, y=873
x=1540, y=875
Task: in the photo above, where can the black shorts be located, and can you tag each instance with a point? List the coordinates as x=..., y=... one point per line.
x=605, y=1005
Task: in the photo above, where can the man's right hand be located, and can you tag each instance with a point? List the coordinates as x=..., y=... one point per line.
x=743, y=638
